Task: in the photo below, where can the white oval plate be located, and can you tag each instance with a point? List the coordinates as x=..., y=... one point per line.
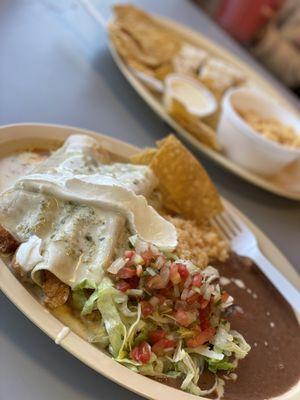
x=48, y=323
x=283, y=184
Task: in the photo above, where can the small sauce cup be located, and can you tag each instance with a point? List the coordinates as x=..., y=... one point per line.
x=196, y=98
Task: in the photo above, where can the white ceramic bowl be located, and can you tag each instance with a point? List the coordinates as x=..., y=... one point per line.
x=198, y=100
x=243, y=144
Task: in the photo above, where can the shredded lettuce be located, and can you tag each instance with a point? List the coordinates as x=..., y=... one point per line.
x=85, y=284
x=196, y=390
x=155, y=367
x=205, y=351
x=216, y=365
x=230, y=342
x=142, y=336
x=186, y=365
x=104, y=298
x=100, y=337
x=132, y=330
x=78, y=295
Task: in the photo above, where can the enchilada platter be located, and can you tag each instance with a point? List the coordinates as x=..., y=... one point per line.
x=33, y=142
x=285, y=182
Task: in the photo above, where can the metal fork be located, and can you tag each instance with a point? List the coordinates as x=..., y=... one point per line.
x=244, y=243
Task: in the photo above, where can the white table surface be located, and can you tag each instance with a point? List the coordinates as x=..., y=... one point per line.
x=55, y=67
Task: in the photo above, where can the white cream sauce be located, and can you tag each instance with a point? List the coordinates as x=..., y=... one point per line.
x=191, y=96
x=28, y=254
x=108, y=194
x=16, y=165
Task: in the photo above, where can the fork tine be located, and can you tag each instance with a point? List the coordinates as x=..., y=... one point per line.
x=236, y=222
x=230, y=223
x=216, y=224
x=223, y=226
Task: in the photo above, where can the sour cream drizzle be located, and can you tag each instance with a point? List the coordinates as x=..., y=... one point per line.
x=107, y=193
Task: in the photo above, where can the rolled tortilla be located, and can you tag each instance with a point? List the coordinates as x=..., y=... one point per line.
x=78, y=206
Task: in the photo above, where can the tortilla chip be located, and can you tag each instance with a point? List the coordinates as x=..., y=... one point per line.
x=144, y=157
x=210, y=84
x=137, y=36
x=185, y=186
x=164, y=70
x=193, y=124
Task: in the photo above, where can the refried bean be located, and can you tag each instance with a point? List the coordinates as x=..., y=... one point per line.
x=270, y=326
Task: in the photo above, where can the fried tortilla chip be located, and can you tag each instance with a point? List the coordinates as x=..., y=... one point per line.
x=129, y=49
x=142, y=42
x=185, y=186
x=193, y=124
x=164, y=70
x=144, y=157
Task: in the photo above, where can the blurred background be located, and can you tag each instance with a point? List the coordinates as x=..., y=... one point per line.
x=269, y=29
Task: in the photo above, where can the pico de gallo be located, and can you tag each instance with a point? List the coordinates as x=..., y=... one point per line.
x=163, y=317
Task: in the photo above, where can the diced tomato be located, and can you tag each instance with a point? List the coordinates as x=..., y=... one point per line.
x=201, y=338
x=167, y=292
x=126, y=272
x=192, y=299
x=123, y=286
x=155, y=282
x=162, y=298
x=204, y=317
x=184, y=318
x=197, y=280
x=204, y=311
x=224, y=297
x=183, y=271
x=129, y=253
x=159, y=347
x=148, y=256
x=139, y=270
x=156, y=335
x=147, y=308
x=205, y=324
x=174, y=274
x=141, y=353
x=134, y=282
x=204, y=303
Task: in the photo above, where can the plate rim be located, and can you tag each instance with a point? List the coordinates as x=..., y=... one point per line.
x=73, y=343
x=157, y=107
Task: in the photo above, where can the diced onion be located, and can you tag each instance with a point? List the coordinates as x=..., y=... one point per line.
x=184, y=294
x=165, y=274
x=154, y=301
x=188, y=281
x=135, y=292
x=176, y=291
x=190, y=293
x=118, y=264
x=151, y=271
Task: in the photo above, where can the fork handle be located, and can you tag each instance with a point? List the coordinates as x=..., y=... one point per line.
x=288, y=291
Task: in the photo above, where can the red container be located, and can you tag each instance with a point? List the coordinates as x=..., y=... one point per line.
x=244, y=18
